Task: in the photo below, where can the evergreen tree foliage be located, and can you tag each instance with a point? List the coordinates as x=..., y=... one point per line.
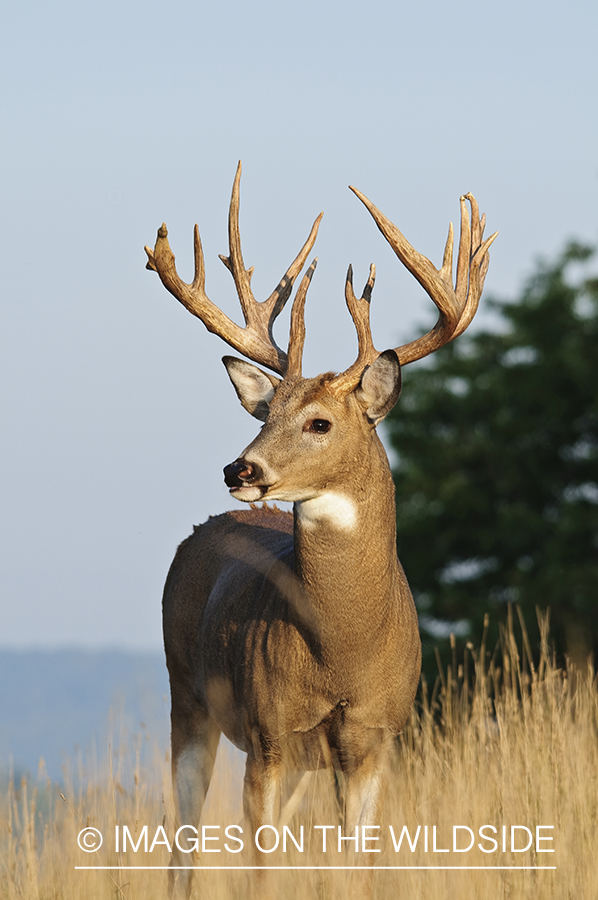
x=496, y=438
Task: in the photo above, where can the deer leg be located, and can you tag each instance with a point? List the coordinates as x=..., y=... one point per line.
x=194, y=739
x=261, y=805
x=363, y=807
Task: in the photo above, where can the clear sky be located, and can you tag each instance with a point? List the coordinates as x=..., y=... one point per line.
x=117, y=414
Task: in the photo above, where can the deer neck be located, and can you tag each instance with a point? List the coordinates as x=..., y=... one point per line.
x=345, y=552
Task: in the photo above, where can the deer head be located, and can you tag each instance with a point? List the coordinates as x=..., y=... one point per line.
x=330, y=416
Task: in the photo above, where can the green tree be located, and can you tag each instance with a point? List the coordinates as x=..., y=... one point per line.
x=496, y=474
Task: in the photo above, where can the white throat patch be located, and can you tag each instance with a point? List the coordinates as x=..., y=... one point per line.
x=334, y=509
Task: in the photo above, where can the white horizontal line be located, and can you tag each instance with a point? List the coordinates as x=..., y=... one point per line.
x=313, y=868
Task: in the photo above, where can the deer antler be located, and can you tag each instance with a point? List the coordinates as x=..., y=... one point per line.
x=457, y=305
x=255, y=340
x=297, y=330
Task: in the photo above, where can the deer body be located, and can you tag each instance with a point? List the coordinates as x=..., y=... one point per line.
x=296, y=635
x=291, y=619
x=271, y=675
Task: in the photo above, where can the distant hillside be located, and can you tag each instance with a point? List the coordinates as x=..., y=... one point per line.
x=52, y=702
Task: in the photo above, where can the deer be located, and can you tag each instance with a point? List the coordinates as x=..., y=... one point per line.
x=296, y=634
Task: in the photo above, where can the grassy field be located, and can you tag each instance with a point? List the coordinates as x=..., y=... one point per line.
x=498, y=741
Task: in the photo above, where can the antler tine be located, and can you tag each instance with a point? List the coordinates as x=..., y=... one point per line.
x=297, y=329
x=255, y=340
x=457, y=305
x=476, y=260
x=360, y=313
x=234, y=262
x=276, y=302
x=463, y=257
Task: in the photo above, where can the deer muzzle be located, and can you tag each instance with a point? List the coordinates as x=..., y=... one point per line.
x=241, y=473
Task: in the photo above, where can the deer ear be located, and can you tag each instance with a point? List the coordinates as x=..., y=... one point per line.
x=254, y=388
x=380, y=386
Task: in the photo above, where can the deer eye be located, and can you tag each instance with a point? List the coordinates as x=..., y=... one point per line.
x=319, y=426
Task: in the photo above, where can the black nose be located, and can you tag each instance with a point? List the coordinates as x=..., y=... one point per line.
x=238, y=473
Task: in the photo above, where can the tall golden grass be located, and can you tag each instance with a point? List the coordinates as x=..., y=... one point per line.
x=499, y=740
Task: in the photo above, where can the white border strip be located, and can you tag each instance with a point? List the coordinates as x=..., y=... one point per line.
x=313, y=868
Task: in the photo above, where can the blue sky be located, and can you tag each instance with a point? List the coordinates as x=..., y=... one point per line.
x=118, y=416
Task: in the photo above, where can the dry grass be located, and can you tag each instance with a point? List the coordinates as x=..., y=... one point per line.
x=499, y=742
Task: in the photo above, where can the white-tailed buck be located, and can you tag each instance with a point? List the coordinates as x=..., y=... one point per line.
x=296, y=634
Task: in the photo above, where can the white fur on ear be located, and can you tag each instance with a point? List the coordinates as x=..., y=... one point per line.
x=254, y=388
x=380, y=386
